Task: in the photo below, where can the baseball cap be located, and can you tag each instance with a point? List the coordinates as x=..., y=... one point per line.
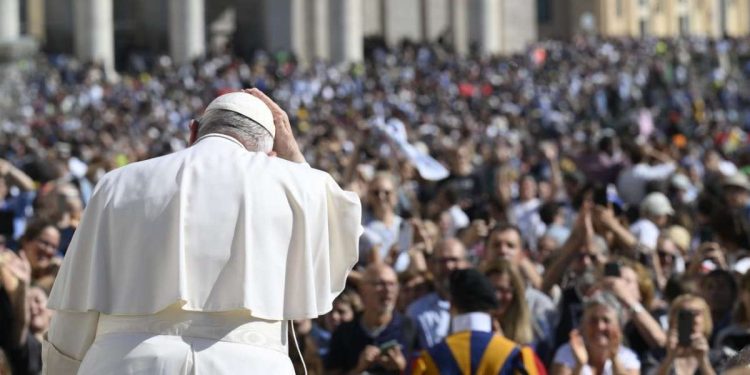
x=739, y=180
x=682, y=182
x=656, y=204
x=245, y=105
x=680, y=236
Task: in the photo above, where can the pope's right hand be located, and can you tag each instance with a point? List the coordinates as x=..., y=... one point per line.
x=284, y=144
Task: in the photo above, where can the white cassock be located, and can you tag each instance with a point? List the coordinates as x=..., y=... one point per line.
x=191, y=263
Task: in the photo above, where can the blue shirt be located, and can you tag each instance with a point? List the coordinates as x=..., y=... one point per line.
x=20, y=207
x=351, y=338
x=433, y=317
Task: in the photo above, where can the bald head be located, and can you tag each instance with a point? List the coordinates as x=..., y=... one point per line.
x=379, y=289
x=379, y=271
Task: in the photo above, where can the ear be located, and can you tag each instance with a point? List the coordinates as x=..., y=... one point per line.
x=193, y=132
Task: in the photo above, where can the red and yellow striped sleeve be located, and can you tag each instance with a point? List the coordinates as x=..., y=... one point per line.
x=424, y=365
x=531, y=362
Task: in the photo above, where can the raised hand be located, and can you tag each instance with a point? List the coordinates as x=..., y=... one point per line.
x=578, y=348
x=5, y=167
x=284, y=144
x=18, y=265
x=15, y=270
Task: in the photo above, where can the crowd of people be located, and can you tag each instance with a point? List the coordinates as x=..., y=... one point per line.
x=601, y=186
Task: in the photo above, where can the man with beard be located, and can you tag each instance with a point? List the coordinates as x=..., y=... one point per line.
x=380, y=340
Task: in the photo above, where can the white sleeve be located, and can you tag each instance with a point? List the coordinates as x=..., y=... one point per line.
x=654, y=172
x=69, y=337
x=647, y=235
x=629, y=359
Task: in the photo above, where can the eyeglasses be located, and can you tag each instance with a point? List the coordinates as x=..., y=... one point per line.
x=444, y=260
x=665, y=255
x=47, y=244
x=381, y=191
x=383, y=284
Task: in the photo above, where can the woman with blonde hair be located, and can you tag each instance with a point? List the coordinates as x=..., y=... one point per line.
x=513, y=316
x=689, y=358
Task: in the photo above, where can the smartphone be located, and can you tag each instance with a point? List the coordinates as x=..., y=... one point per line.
x=612, y=269
x=405, y=236
x=685, y=320
x=600, y=196
x=388, y=345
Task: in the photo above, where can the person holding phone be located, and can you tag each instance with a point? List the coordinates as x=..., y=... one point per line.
x=380, y=340
x=690, y=326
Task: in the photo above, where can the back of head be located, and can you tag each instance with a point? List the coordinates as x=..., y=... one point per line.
x=470, y=291
x=242, y=116
x=656, y=204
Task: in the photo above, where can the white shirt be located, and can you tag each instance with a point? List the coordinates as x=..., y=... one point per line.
x=646, y=232
x=631, y=184
x=628, y=359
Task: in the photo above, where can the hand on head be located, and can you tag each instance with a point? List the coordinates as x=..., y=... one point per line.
x=284, y=144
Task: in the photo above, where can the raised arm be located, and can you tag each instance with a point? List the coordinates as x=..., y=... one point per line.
x=15, y=176
x=582, y=235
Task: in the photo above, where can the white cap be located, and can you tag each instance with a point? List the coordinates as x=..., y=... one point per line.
x=246, y=105
x=656, y=204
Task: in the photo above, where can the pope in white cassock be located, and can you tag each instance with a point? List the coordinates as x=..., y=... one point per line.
x=194, y=262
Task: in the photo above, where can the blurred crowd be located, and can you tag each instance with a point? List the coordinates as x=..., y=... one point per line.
x=600, y=185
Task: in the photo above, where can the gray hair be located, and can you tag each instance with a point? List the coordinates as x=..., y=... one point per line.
x=254, y=136
x=608, y=300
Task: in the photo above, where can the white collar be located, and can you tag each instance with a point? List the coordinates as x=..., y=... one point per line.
x=227, y=137
x=475, y=321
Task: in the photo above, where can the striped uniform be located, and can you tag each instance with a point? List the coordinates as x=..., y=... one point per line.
x=478, y=353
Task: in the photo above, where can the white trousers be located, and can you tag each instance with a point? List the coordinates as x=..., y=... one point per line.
x=172, y=341
x=143, y=353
